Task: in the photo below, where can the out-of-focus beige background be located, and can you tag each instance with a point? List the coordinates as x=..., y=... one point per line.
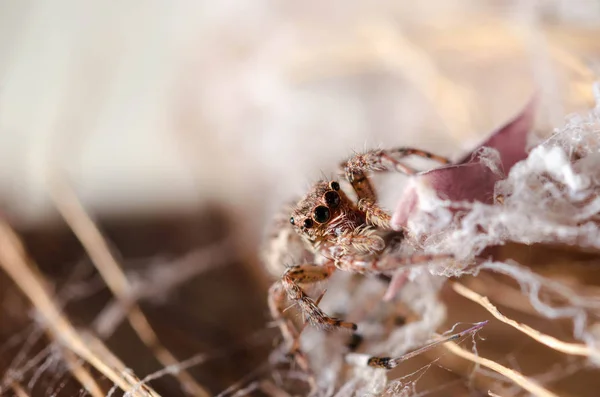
x=154, y=105
x=177, y=123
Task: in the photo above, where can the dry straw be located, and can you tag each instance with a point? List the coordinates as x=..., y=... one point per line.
x=87, y=232
x=526, y=383
x=576, y=349
x=27, y=277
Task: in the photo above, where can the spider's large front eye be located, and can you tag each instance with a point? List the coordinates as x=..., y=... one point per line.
x=332, y=199
x=308, y=223
x=321, y=214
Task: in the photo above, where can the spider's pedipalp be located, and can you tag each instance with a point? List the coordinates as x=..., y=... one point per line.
x=375, y=214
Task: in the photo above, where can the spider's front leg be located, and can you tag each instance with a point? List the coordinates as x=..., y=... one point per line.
x=308, y=274
x=356, y=171
x=385, y=160
x=283, y=246
x=291, y=334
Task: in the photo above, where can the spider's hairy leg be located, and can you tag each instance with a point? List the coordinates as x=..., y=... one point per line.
x=291, y=335
x=406, y=151
x=385, y=263
x=393, y=262
x=307, y=274
x=276, y=301
x=355, y=171
x=358, y=166
x=378, y=160
x=296, y=345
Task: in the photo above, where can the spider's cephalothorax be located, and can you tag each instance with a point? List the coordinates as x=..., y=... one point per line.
x=325, y=213
x=337, y=233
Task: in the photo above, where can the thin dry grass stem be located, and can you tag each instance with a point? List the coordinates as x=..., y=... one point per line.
x=441, y=340
x=518, y=378
x=576, y=349
x=158, y=282
x=18, y=389
x=108, y=357
x=235, y=388
x=26, y=276
x=82, y=374
x=503, y=294
x=95, y=245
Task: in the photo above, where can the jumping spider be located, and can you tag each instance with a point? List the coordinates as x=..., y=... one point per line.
x=330, y=231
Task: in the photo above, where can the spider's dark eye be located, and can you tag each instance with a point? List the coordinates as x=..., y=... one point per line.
x=332, y=199
x=334, y=185
x=292, y=220
x=308, y=223
x=321, y=214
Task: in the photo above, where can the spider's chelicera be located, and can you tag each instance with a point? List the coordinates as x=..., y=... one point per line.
x=330, y=231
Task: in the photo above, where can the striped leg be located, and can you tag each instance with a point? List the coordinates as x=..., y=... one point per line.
x=356, y=171
x=308, y=274
x=385, y=160
x=291, y=334
x=289, y=331
x=360, y=263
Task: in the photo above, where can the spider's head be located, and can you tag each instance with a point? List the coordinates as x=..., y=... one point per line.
x=323, y=210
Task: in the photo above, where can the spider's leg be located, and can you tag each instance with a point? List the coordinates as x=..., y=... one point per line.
x=296, y=344
x=357, y=168
x=277, y=301
x=367, y=196
x=377, y=264
x=406, y=151
x=284, y=245
x=308, y=274
x=393, y=262
x=379, y=160
x=291, y=335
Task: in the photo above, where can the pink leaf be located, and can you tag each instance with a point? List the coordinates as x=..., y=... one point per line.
x=470, y=179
